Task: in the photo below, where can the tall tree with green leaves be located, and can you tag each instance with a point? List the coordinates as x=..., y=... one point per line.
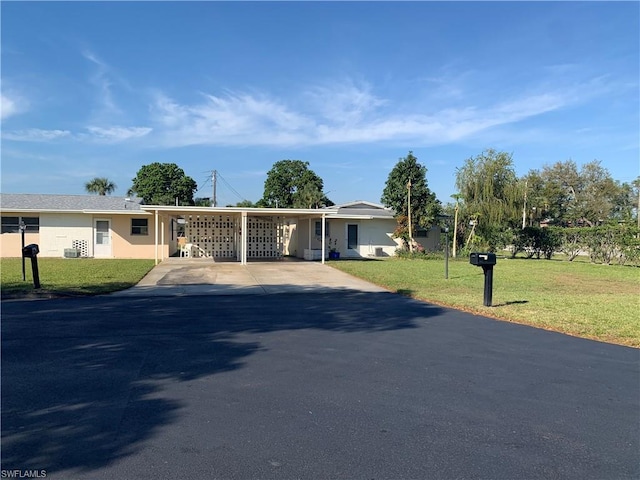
x=409, y=174
x=572, y=196
x=163, y=184
x=100, y=186
x=291, y=184
x=493, y=196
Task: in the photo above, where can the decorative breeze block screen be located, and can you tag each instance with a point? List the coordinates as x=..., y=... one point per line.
x=82, y=246
x=213, y=235
x=265, y=237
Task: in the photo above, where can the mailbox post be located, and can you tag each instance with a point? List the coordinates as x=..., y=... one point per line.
x=31, y=251
x=486, y=261
x=22, y=228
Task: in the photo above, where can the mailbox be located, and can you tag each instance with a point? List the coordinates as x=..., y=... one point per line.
x=480, y=259
x=486, y=261
x=30, y=251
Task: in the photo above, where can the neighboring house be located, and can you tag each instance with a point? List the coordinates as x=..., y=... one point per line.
x=118, y=227
x=363, y=229
x=90, y=225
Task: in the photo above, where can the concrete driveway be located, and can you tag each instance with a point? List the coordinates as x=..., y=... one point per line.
x=180, y=276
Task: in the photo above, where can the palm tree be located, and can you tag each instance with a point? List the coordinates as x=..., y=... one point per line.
x=100, y=185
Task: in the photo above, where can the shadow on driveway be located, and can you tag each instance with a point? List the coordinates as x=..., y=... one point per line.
x=329, y=385
x=82, y=377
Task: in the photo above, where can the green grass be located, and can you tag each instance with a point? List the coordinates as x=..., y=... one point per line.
x=71, y=276
x=578, y=298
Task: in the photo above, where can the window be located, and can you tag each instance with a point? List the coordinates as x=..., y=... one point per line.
x=319, y=229
x=12, y=224
x=139, y=226
x=422, y=233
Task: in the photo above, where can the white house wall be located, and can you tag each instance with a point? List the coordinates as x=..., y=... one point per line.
x=375, y=237
x=60, y=231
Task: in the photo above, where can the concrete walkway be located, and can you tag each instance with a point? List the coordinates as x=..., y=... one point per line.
x=198, y=276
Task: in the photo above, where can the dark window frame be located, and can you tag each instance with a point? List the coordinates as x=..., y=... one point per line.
x=32, y=224
x=141, y=229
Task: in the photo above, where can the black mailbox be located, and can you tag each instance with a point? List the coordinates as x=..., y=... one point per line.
x=486, y=261
x=30, y=251
x=481, y=259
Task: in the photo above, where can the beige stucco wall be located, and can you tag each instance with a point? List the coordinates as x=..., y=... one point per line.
x=59, y=230
x=11, y=243
x=126, y=245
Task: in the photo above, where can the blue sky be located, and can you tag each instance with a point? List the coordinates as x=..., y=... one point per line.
x=101, y=89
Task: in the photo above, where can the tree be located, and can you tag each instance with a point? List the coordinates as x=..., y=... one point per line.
x=244, y=204
x=492, y=193
x=588, y=196
x=291, y=184
x=409, y=174
x=162, y=184
x=100, y=185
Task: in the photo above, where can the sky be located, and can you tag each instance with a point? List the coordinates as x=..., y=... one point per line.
x=99, y=89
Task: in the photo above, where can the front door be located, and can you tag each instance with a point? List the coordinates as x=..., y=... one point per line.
x=352, y=237
x=102, y=238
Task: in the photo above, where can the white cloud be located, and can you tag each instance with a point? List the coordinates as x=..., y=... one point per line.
x=95, y=134
x=10, y=106
x=116, y=134
x=102, y=80
x=340, y=114
x=35, y=135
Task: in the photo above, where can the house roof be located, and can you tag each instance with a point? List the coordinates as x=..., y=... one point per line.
x=361, y=209
x=28, y=202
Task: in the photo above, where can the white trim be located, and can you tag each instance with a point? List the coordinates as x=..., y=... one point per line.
x=156, y=237
x=324, y=240
x=95, y=231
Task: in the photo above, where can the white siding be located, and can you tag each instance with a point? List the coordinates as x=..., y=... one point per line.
x=58, y=231
x=376, y=234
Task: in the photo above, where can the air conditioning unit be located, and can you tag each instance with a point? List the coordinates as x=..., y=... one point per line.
x=71, y=253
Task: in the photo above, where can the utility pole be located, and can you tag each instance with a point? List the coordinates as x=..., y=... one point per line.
x=409, y=215
x=524, y=209
x=214, y=181
x=455, y=228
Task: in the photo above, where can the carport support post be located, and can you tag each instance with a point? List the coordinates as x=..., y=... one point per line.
x=156, y=238
x=162, y=239
x=243, y=239
x=488, y=284
x=324, y=229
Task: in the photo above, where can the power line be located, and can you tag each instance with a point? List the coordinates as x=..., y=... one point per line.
x=208, y=182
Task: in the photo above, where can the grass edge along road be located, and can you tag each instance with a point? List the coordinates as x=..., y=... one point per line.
x=71, y=276
x=578, y=298
x=599, y=302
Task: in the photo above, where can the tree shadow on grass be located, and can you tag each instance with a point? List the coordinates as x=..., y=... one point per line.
x=83, y=379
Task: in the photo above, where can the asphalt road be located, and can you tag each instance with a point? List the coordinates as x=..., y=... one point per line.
x=340, y=385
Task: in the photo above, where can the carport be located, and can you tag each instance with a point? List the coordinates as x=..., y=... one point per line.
x=238, y=234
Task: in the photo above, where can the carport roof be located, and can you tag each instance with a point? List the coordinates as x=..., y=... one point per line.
x=188, y=210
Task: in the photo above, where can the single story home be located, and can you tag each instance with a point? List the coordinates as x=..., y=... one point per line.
x=117, y=227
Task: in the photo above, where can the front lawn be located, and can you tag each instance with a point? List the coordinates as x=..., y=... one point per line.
x=594, y=301
x=71, y=276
